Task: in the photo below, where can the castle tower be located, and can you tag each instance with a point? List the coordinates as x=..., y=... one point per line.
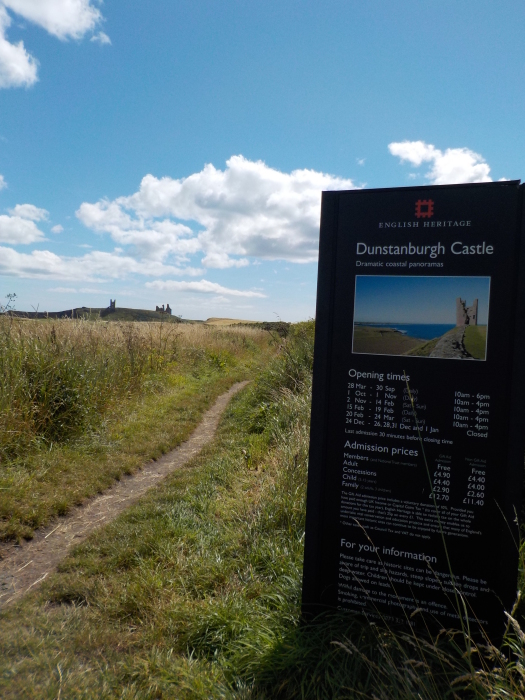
x=466, y=315
x=461, y=313
x=472, y=313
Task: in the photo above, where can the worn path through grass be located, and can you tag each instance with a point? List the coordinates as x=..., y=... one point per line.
x=43, y=475
x=24, y=567
x=203, y=568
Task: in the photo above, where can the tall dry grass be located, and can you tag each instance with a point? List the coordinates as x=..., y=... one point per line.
x=58, y=378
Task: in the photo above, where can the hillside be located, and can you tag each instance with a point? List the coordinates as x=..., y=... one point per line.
x=138, y=315
x=119, y=314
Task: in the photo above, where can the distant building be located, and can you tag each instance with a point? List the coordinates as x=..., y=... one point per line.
x=466, y=315
x=109, y=309
x=163, y=310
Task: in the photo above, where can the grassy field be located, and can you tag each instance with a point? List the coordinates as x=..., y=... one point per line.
x=382, y=341
x=82, y=403
x=475, y=341
x=134, y=315
x=94, y=314
x=194, y=593
x=424, y=349
x=226, y=321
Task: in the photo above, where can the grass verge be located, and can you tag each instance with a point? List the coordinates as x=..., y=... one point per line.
x=193, y=567
x=48, y=477
x=425, y=349
x=475, y=341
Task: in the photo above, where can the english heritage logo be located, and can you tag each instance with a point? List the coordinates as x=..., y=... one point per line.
x=424, y=208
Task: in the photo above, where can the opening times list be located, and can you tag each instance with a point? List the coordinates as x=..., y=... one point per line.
x=379, y=404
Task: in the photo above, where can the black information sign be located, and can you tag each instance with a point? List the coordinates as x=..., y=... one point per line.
x=416, y=454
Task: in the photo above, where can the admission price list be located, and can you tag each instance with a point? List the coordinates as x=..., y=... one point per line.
x=471, y=490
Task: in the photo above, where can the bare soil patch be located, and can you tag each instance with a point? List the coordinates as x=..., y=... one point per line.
x=22, y=567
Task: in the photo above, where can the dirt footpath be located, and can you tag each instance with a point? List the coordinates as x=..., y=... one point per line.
x=450, y=346
x=22, y=567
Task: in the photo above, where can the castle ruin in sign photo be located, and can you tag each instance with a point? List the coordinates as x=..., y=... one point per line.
x=466, y=315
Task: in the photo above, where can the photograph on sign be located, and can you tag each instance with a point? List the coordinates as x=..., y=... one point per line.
x=441, y=317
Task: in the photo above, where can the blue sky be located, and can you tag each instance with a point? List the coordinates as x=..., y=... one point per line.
x=178, y=150
x=389, y=299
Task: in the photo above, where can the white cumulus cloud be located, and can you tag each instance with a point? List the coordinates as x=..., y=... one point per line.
x=204, y=286
x=57, y=229
x=75, y=290
x=64, y=19
x=29, y=211
x=150, y=239
x=221, y=260
x=94, y=266
x=101, y=38
x=453, y=166
x=18, y=231
x=3, y=183
x=17, y=67
x=247, y=209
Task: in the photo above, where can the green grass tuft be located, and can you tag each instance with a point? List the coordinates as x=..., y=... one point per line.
x=475, y=341
x=425, y=349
